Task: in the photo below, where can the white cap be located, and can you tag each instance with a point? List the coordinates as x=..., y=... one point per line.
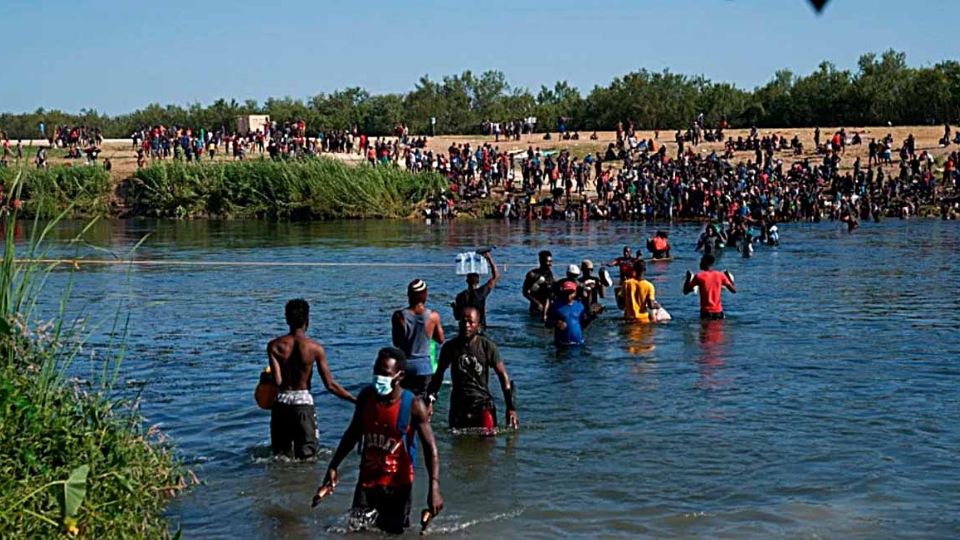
x=573, y=270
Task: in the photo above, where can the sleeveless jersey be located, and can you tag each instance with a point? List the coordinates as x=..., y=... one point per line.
x=388, y=448
x=416, y=342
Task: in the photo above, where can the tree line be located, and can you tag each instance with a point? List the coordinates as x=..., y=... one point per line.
x=883, y=89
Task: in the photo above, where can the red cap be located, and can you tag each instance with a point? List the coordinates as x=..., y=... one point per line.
x=569, y=286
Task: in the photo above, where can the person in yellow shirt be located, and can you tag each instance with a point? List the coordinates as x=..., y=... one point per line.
x=639, y=295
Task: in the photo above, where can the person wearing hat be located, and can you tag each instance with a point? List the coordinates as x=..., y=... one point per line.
x=413, y=329
x=556, y=294
x=475, y=296
x=591, y=287
x=568, y=317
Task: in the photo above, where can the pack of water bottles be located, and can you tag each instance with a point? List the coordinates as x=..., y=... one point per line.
x=472, y=262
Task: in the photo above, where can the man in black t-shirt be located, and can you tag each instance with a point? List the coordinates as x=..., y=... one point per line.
x=475, y=296
x=470, y=356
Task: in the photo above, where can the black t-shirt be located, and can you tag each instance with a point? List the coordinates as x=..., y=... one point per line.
x=470, y=365
x=475, y=298
x=542, y=292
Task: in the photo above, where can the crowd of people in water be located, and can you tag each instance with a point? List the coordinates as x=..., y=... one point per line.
x=393, y=415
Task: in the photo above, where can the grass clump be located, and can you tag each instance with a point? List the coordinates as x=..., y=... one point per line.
x=45, y=193
x=313, y=188
x=74, y=460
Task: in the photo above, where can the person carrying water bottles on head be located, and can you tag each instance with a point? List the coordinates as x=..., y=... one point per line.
x=415, y=331
x=711, y=283
x=568, y=318
x=470, y=357
x=475, y=296
x=386, y=423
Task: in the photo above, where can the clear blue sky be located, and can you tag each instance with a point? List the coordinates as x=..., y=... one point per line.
x=117, y=56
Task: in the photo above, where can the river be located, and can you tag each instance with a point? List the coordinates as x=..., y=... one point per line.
x=826, y=405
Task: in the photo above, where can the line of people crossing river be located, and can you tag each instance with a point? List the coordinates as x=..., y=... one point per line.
x=392, y=415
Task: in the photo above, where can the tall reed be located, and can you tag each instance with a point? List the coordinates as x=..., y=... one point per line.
x=316, y=188
x=74, y=458
x=86, y=190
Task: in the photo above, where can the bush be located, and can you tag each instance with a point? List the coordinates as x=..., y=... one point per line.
x=314, y=188
x=72, y=458
x=48, y=192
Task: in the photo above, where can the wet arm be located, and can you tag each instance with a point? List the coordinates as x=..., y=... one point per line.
x=397, y=328
x=329, y=383
x=505, y=385
x=437, y=379
x=274, y=366
x=349, y=439
x=437, y=328
x=495, y=274
x=421, y=423
x=688, y=285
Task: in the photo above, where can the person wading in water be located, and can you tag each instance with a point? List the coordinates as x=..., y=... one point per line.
x=470, y=356
x=537, y=284
x=293, y=420
x=475, y=296
x=385, y=422
x=711, y=284
x=413, y=329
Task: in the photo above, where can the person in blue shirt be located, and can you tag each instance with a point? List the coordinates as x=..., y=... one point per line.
x=569, y=318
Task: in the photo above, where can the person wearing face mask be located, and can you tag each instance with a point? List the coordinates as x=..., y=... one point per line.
x=470, y=357
x=386, y=422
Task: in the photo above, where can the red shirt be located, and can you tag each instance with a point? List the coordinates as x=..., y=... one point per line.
x=710, y=283
x=384, y=461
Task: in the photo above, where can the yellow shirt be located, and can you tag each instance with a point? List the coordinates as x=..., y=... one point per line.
x=637, y=295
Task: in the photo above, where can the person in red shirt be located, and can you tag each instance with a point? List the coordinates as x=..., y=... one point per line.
x=711, y=284
x=386, y=422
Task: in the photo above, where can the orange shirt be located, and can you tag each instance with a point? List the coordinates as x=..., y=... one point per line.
x=637, y=295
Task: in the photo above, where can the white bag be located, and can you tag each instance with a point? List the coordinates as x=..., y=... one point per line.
x=659, y=315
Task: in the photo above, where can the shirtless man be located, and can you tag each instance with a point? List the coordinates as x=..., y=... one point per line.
x=293, y=421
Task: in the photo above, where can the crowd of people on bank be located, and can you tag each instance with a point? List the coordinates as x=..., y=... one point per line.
x=634, y=179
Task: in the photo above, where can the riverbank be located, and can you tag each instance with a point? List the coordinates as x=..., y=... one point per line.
x=74, y=459
x=215, y=187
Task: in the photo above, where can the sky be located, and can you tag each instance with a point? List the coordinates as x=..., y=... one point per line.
x=117, y=56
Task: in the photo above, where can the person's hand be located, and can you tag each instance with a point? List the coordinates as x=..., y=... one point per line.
x=561, y=325
x=327, y=487
x=512, y=419
x=434, y=500
x=331, y=478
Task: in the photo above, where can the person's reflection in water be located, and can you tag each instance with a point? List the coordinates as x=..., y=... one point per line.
x=710, y=364
x=638, y=341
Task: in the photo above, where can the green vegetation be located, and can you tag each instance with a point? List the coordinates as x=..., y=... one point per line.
x=45, y=193
x=73, y=460
x=316, y=188
x=882, y=89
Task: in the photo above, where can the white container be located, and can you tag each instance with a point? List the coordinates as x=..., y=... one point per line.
x=471, y=263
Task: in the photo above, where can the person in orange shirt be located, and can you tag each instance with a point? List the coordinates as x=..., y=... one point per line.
x=639, y=295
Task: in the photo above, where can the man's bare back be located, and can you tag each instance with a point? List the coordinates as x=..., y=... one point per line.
x=292, y=357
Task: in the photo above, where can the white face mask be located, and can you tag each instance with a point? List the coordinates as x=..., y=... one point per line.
x=383, y=384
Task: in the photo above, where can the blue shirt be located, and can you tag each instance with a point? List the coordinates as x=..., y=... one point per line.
x=571, y=315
